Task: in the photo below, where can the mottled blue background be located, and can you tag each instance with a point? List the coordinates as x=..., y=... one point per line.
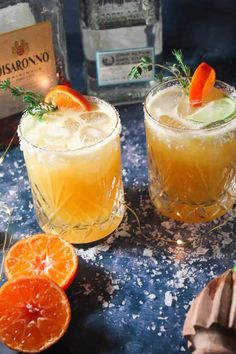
x=205, y=30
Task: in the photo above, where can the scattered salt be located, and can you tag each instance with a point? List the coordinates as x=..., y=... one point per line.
x=105, y=304
x=168, y=298
x=148, y=252
x=152, y=296
x=139, y=282
x=135, y=316
x=201, y=250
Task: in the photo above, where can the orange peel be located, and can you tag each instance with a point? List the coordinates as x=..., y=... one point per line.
x=63, y=96
x=201, y=84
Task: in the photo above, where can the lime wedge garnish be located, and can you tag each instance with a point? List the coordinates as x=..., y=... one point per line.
x=214, y=111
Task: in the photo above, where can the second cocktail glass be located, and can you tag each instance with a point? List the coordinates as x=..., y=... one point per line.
x=77, y=192
x=192, y=169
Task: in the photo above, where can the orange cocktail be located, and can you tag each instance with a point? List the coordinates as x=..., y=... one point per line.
x=73, y=161
x=191, y=152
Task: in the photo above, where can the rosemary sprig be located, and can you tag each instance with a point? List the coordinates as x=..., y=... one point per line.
x=34, y=101
x=180, y=61
x=179, y=70
x=2, y=157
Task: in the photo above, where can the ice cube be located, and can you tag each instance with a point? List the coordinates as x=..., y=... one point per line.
x=71, y=125
x=168, y=99
x=171, y=122
x=96, y=118
x=91, y=135
x=184, y=108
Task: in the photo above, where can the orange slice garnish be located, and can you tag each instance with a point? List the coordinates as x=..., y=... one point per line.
x=42, y=255
x=201, y=84
x=34, y=314
x=63, y=96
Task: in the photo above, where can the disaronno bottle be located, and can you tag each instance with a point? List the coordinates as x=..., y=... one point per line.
x=33, y=53
x=116, y=34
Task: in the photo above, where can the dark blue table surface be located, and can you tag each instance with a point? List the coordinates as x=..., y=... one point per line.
x=133, y=289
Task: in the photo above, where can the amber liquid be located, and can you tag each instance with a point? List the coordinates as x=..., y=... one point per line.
x=192, y=176
x=77, y=192
x=79, y=197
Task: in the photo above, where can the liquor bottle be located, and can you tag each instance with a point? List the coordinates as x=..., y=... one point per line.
x=33, y=54
x=115, y=35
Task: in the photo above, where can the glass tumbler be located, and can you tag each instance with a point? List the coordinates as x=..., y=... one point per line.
x=192, y=172
x=78, y=194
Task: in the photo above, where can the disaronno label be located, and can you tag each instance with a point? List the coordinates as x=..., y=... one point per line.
x=27, y=59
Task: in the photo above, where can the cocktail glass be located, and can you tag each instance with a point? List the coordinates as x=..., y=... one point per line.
x=192, y=172
x=78, y=194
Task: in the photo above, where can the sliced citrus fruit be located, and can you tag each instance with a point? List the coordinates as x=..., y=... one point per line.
x=222, y=109
x=65, y=97
x=201, y=84
x=42, y=255
x=34, y=314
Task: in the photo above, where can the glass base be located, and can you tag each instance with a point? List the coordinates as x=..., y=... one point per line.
x=193, y=213
x=81, y=234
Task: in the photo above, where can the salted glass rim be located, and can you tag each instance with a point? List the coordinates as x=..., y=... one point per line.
x=108, y=137
x=186, y=129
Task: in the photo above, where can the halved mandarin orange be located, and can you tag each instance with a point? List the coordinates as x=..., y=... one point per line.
x=42, y=255
x=63, y=96
x=34, y=314
x=201, y=84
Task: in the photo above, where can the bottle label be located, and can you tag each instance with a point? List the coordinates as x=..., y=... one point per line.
x=114, y=66
x=108, y=14
x=27, y=60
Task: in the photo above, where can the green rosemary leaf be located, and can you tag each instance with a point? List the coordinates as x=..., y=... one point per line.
x=159, y=76
x=40, y=109
x=179, y=70
x=180, y=61
x=144, y=65
x=139, y=70
x=4, y=85
x=146, y=60
x=178, y=55
x=234, y=268
x=34, y=101
x=133, y=74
